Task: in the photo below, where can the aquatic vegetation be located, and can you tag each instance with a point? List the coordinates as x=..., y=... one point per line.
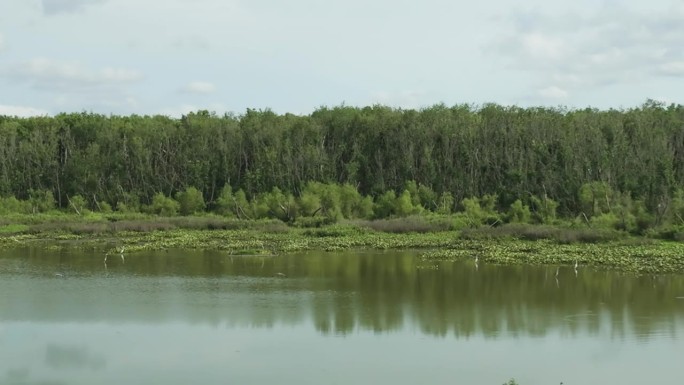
x=510, y=244
x=657, y=257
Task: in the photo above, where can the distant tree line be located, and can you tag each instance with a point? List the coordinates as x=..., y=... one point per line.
x=584, y=163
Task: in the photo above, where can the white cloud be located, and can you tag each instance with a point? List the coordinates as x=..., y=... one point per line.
x=53, y=7
x=538, y=46
x=199, y=87
x=21, y=111
x=69, y=76
x=606, y=46
x=553, y=92
x=674, y=68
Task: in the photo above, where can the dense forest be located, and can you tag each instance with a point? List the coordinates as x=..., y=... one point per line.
x=582, y=163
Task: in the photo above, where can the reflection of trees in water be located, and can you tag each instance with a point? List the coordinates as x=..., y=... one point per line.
x=344, y=292
x=456, y=299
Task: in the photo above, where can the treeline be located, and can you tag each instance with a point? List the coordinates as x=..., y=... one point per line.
x=587, y=162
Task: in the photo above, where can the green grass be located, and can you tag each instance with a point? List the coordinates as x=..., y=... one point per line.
x=14, y=228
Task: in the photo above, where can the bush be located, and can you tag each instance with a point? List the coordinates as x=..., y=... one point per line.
x=12, y=205
x=191, y=201
x=519, y=213
x=78, y=204
x=163, y=205
x=42, y=201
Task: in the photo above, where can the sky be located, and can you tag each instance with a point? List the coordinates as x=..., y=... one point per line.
x=175, y=56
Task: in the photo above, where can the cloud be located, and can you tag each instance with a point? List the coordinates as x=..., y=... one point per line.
x=21, y=111
x=674, y=68
x=53, y=75
x=553, y=92
x=198, y=87
x=606, y=46
x=54, y=7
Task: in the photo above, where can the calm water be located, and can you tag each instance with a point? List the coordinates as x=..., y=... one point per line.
x=330, y=318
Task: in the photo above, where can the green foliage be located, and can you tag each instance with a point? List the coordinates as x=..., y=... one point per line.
x=385, y=205
x=403, y=205
x=280, y=205
x=605, y=221
x=677, y=207
x=241, y=205
x=563, y=163
x=544, y=209
x=225, y=203
x=329, y=197
x=191, y=201
x=309, y=203
x=595, y=198
x=12, y=205
x=104, y=207
x=446, y=203
x=480, y=211
x=365, y=208
x=428, y=198
x=519, y=213
x=14, y=228
x=414, y=193
x=128, y=203
x=41, y=201
x=164, y=206
x=78, y=204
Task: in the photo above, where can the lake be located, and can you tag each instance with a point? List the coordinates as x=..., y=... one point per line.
x=183, y=317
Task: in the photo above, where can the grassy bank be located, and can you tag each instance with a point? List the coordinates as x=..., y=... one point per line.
x=509, y=244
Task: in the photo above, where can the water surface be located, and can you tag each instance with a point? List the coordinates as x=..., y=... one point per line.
x=330, y=318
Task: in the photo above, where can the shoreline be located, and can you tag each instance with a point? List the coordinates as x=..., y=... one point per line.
x=630, y=254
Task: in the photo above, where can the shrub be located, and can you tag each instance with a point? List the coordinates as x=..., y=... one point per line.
x=163, y=205
x=41, y=201
x=78, y=204
x=519, y=213
x=191, y=201
x=12, y=205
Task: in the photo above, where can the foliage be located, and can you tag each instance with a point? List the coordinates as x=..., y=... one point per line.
x=519, y=213
x=78, y=204
x=562, y=163
x=191, y=201
x=163, y=205
x=41, y=201
x=544, y=209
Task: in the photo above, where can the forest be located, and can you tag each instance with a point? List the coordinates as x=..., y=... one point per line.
x=624, y=168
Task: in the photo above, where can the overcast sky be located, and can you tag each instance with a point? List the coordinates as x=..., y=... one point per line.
x=175, y=56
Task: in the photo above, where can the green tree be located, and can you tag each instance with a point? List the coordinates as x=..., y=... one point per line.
x=191, y=201
x=519, y=213
x=163, y=205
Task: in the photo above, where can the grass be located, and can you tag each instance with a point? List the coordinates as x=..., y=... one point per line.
x=13, y=228
x=537, y=232
x=412, y=224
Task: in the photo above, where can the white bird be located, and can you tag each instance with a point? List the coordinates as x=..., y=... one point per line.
x=576, y=264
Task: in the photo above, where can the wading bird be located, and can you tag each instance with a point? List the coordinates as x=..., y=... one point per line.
x=120, y=250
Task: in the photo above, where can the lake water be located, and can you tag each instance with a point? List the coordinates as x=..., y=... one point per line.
x=330, y=318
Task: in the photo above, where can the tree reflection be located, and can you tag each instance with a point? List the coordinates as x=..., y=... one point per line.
x=340, y=293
